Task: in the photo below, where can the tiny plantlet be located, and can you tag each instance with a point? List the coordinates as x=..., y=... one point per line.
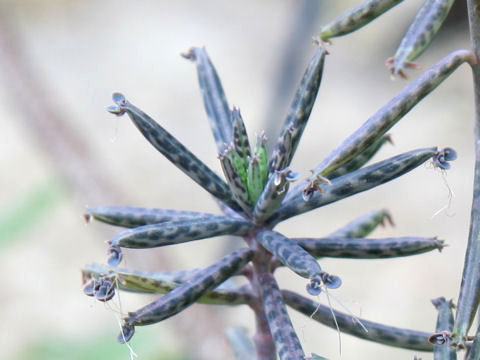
x=259, y=189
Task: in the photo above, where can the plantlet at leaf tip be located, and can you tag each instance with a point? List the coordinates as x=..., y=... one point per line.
x=115, y=255
x=442, y=158
x=440, y=338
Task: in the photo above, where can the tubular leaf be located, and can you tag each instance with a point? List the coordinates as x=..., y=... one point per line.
x=186, y=294
x=163, y=283
x=352, y=183
x=356, y=18
x=469, y=298
x=298, y=260
x=241, y=144
x=390, y=114
x=287, y=343
x=299, y=113
x=272, y=195
x=364, y=225
x=176, y=232
x=130, y=216
x=289, y=253
x=174, y=151
x=358, y=248
x=387, y=335
x=234, y=179
x=419, y=35
x=214, y=97
x=361, y=159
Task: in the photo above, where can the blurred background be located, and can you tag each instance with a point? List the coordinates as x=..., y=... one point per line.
x=62, y=152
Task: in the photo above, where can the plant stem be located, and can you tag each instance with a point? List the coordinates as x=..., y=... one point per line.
x=469, y=294
x=263, y=339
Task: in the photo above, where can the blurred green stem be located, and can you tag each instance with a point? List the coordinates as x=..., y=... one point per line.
x=469, y=292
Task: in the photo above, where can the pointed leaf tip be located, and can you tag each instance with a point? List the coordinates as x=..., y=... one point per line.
x=189, y=54
x=87, y=217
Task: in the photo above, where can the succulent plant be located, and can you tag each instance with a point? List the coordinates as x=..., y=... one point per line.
x=260, y=190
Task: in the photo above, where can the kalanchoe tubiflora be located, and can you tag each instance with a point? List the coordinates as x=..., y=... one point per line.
x=257, y=194
x=419, y=35
x=357, y=17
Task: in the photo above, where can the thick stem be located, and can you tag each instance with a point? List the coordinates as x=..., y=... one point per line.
x=474, y=20
x=287, y=344
x=275, y=332
x=469, y=292
x=263, y=338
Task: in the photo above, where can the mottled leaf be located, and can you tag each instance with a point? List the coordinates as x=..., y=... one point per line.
x=174, y=151
x=359, y=248
x=162, y=283
x=299, y=113
x=383, y=334
x=214, y=97
x=361, y=159
x=176, y=232
x=352, y=183
x=287, y=343
x=363, y=225
x=390, y=114
x=130, y=216
x=356, y=18
x=419, y=35
x=241, y=144
x=274, y=192
x=186, y=294
x=235, y=180
x=297, y=259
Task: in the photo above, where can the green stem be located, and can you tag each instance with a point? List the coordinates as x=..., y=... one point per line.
x=469, y=291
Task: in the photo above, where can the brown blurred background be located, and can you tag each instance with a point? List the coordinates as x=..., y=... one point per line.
x=61, y=152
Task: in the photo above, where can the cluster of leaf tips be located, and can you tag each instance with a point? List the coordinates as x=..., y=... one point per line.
x=258, y=194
